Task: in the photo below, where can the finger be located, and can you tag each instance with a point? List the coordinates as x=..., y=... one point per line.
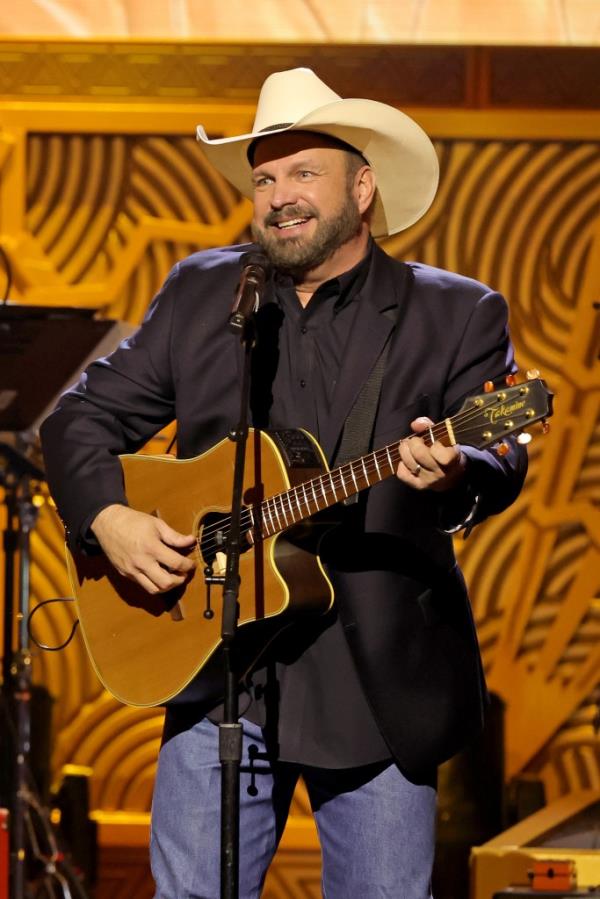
x=410, y=467
x=415, y=453
x=444, y=456
x=174, y=561
x=421, y=424
x=453, y=472
x=162, y=579
x=406, y=455
x=145, y=582
x=148, y=584
x=172, y=537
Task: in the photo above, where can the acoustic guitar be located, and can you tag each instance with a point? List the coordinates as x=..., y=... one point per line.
x=148, y=649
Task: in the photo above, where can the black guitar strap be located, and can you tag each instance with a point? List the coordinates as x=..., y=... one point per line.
x=357, y=435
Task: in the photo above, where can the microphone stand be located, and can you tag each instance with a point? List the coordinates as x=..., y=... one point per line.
x=230, y=730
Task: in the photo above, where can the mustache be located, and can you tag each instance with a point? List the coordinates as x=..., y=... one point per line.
x=289, y=212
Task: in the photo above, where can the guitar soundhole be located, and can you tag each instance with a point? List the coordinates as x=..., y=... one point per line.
x=214, y=533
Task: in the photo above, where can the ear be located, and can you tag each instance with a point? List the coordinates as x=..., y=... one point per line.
x=364, y=186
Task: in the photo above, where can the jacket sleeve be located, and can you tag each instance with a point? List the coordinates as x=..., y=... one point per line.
x=118, y=403
x=492, y=482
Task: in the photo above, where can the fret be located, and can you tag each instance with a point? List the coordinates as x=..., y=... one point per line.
x=333, y=490
x=379, y=475
x=312, y=487
x=269, y=526
x=276, y=512
x=282, y=497
x=353, y=478
x=365, y=470
x=387, y=449
x=273, y=523
x=297, y=502
x=343, y=478
x=321, y=486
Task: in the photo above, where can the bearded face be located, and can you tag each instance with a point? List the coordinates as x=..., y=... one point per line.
x=305, y=206
x=296, y=251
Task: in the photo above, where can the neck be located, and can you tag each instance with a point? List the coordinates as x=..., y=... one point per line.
x=340, y=261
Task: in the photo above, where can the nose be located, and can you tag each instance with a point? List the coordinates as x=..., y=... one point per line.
x=284, y=193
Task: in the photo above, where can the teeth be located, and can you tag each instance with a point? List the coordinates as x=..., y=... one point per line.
x=291, y=223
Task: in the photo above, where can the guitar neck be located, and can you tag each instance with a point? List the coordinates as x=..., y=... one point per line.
x=482, y=421
x=285, y=509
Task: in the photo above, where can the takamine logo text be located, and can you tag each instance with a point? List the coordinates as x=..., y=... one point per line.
x=505, y=410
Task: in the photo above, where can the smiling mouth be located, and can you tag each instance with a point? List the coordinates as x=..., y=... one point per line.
x=291, y=224
x=288, y=224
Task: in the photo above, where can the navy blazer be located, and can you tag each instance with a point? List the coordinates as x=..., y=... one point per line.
x=401, y=597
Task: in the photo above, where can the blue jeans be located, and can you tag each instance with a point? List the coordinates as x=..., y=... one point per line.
x=375, y=827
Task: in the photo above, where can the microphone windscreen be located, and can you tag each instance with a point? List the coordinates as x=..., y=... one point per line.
x=254, y=257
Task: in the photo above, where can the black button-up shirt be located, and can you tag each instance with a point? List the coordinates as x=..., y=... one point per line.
x=312, y=703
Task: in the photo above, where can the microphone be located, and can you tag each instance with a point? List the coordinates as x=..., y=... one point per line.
x=255, y=269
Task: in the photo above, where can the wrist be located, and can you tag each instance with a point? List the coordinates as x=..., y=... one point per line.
x=103, y=517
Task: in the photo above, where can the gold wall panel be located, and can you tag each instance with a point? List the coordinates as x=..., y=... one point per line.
x=521, y=215
x=98, y=200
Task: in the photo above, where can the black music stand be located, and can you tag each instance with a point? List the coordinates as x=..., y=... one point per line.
x=42, y=351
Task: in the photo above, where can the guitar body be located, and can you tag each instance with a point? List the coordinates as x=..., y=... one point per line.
x=147, y=649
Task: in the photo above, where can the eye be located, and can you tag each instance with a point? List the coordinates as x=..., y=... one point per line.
x=306, y=173
x=262, y=180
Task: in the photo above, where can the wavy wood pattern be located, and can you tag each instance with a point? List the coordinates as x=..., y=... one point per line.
x=97, y=218
x=519, y=215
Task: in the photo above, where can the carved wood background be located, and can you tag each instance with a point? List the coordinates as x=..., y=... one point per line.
x=100, y=196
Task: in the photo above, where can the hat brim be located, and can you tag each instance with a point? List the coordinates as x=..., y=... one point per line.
x=397, y=149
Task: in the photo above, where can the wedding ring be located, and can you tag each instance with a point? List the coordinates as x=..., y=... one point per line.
x=417, y=471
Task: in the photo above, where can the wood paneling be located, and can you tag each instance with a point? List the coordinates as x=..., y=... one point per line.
x=447, y=75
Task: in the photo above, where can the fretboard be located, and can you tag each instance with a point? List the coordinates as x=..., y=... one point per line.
x=482, y=421
x=285, y=509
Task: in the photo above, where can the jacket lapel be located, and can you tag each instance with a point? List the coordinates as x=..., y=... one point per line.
x=383, y=290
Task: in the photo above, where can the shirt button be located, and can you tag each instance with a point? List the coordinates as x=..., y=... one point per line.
x=303, y=329
x=302, y=383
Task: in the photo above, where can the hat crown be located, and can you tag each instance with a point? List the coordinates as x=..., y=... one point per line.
x=286, y=97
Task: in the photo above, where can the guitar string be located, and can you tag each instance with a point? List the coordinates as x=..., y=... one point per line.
x=336, y=477
x=329, y=482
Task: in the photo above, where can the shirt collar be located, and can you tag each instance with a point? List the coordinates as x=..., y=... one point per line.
x=341, y=289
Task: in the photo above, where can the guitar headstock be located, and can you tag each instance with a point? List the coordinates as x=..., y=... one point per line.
x=498, y=412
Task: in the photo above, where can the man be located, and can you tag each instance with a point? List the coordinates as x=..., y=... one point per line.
x=365, y=701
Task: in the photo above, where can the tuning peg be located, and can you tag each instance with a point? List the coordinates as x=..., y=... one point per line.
x=511, y=380
x=488, y=387
x=545, y=426
x=502, y=448
x=524, y=438
x=532, y=374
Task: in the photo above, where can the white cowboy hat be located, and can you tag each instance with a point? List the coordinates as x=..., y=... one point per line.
x=396, y=148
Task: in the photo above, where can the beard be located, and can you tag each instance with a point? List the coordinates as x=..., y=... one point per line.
x=297, y=255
